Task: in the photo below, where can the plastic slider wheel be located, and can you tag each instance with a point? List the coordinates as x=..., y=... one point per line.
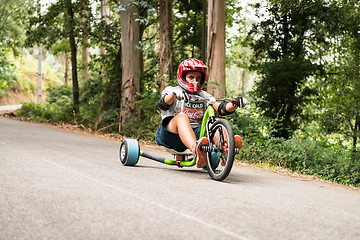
x=129, y=152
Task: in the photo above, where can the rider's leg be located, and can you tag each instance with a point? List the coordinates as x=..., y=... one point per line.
x=180, y=124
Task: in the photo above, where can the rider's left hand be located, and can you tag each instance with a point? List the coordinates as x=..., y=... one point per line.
x=212, y=100
x=239, y=101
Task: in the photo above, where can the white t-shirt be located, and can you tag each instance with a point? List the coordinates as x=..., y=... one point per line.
x=194, y=110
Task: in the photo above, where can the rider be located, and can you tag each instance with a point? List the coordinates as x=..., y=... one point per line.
x=181, y=124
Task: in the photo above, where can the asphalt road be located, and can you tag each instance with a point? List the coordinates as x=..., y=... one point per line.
x=10, y=107
x=55, y=184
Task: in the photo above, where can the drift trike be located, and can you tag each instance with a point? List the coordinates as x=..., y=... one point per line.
x=220, y=151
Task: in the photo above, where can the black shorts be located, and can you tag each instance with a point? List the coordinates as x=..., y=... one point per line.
x=172, y=140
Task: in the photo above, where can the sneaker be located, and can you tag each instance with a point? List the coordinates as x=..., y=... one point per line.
x=199, y=156
x=238, y=142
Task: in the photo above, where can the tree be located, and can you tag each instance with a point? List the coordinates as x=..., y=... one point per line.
x=283, y=58
x=70, y=23
x=12, y=27
x=340, y=109
x=204, y=32
x=59, y=22
x=106, y=34
x=188, y=30
x=85, y=39
x=130, y=37
x=216, y=48
x=166, y=34
x=105, y=13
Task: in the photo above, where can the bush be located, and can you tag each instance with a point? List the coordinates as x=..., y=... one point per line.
x=59, y=95
x=90, y=99
x=6, y=74
x=329, y=162
x=44, y=111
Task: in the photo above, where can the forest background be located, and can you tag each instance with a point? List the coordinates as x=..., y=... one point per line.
x=105, y=63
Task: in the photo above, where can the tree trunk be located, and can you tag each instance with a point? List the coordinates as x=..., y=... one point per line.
x=113, y=80
x=216, y=48
x=66, y=76
x=130, y=37
x=204, y=35
x=242, y=82
x=73, y=50
x=356, y=133
x=105, y=13
x=166, y=34
x=85, y=58
x=85, y=40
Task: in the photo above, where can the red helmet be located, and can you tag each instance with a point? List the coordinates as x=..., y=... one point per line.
x=191, y=65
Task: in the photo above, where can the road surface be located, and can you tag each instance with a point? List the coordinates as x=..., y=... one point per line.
x=10, y=108
x=55, y=184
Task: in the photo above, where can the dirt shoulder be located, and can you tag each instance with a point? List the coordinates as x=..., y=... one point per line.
x=17, y=97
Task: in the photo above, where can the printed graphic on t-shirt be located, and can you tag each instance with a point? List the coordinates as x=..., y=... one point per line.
x=194, y=110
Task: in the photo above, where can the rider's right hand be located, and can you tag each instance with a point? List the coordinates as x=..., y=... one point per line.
x=181, y=95
x=239, y=101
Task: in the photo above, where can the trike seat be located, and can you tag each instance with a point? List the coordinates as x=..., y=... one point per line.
x=174, y=152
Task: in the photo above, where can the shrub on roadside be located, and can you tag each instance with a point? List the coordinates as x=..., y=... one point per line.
x=43, y=111
x=328, y=162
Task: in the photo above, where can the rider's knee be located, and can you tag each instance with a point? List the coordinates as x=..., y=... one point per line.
x=182, y=116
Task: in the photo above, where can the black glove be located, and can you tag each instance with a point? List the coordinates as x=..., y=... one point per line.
x=239, y=101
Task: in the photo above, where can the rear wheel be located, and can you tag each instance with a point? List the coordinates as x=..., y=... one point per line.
x=221, y=150
x=129, y=152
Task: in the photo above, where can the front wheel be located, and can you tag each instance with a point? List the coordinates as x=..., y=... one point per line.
x=222, y=145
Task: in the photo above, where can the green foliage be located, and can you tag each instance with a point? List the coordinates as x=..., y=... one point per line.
x=340, y=105
x=57, y=108
x=48, y=111
x=53, y=26
x=305, y=152
x=187, y=30
x=145, y=125
x=282, y=57
x=56, y=93
x=12, y=24
x=100, y=93
x=250, y=124
x=305, y=156
x=91, y=93
x=11, y=39
x=6, y=75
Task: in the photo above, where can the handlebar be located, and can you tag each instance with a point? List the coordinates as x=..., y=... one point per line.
x=194, y=98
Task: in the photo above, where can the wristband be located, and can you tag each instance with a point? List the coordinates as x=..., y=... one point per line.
x=162, y=104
